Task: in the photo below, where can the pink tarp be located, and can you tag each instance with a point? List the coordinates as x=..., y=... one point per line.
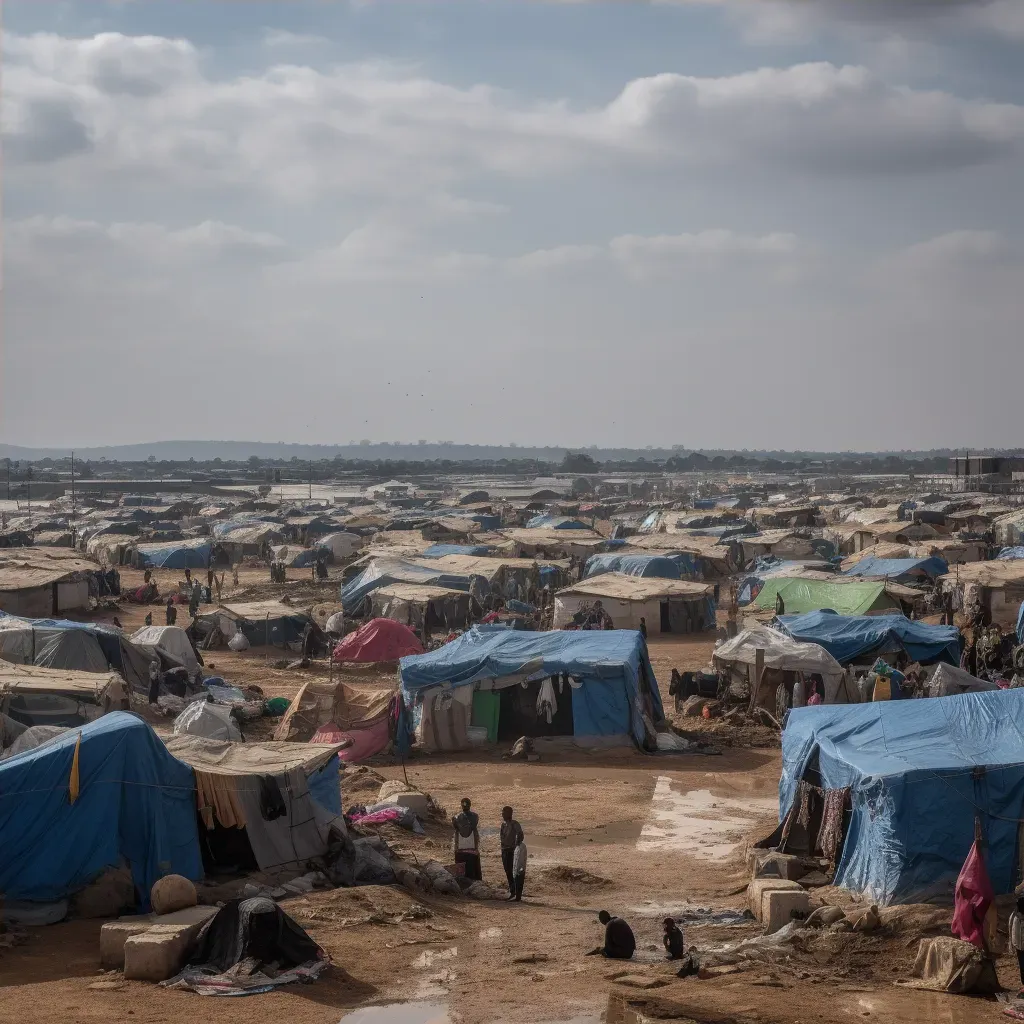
x=365, y=741
x=378, y=640
x=972, y=899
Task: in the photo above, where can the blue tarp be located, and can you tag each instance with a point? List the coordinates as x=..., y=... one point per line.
x=666, y=567
x=325, y=786
x=556, y=523
x=440, y=550
x=174, y=554
x=1007, y=554
x=1020, y=624
x=911, y=768
x=135, y=802
x=899, y=568
x=850, y=637
x=607, y=661
x=387, y=571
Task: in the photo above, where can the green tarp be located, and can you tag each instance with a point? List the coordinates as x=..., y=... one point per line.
x=486, y=707
x=802, y=596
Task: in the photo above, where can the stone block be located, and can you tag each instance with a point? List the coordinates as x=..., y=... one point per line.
x=780, y=905
x=159, y=952
x=778, y=865
x=114, y=934
x=758, y=889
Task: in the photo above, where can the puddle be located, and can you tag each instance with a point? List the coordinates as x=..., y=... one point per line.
x=490, y=934
x=699, y=823
x=429, y=957
x=691, y=915
x=399, y=1013
x=614, y=832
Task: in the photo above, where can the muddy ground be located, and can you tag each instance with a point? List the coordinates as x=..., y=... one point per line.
x=642, y=836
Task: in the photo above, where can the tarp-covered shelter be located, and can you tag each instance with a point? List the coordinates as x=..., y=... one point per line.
x=667, y=606
x=170, y=642
x=358, y=717
x=861, y=637
x=263, y=623
x=478, y=679
x=46, y=581
x=667, y=567
x=384, y=571
x=50, y=696
x=417, y=604
x=380, y=639
x=784, y=655
x=995, y=588
x=902, y=570
x=262, y=805
x=134, y=803
x=174, y=554
x=295, y=556
x=341, y=544
x=846, y=597
x=914, y=777
x=949, y=679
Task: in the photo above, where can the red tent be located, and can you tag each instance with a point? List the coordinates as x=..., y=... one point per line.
x=378, y=640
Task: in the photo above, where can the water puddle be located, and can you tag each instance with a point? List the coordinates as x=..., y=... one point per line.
x=613, y=832
x=691, y=915
x=399, y=1013
x=490, y=934
x=429, y=957
x=699, y=823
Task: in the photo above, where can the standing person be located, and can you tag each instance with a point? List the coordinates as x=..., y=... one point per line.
x=209, y=579
x=1016, y=930
x=149, y=619
x=672, y=939
x=780, y=605
x=511, y=836
x=194, y=599
x=619, y=943
x=171, y=613
x=519, y=869
x=643, y=627
x=188, y=577
x=466, y=825
x=154, y=682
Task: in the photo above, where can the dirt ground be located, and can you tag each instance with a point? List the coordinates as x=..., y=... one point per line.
x=640, y=835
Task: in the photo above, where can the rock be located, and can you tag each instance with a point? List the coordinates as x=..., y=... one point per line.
x=760, y=887
x=171, y=893
x=866, y=920
x=483, y=891
x=780, y=906
x=441, y=878
x=824, y=916
x=418, y=803
x=152, y=948
x=108, y=896
x=814, y=880
x=841, y=926
x=640, y=981
x=389, y=787
x=769, y=864
x=718, y=972
x=693, y=707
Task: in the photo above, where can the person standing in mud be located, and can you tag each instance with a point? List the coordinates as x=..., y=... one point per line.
x=511, y=837
x=467, y=840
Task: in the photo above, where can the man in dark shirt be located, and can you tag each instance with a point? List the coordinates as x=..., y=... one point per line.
x=467, y=840
x=672, y=939
x=619, y=943
x=511, y=837
x=643, y=627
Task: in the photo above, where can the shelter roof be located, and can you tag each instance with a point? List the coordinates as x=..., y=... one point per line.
x=23, y=568
x=34, y=679
x=417, y=592
x=997, y=573
x=222, y=757
x=637, y=588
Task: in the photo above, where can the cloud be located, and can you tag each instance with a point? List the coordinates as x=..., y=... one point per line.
x=143, y=111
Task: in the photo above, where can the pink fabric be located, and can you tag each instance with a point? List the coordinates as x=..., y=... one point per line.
x=365, y=742
x=378, y=817
x=973, y=897
x=378, y=640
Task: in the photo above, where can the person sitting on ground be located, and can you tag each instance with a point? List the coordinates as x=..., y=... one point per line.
x=672, y=939
x=171, y=613
x=1016, y=930
x=467, y=840
x=619, y=943
x=519, y=869
x=511, y=835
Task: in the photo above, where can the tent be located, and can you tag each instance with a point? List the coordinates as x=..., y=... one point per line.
x=782, y=654
x=419, y=606
x=861, y=637
x=263, y=623
x=169, y=641
x=295, y=556
x=441, y=550
x=378, y=640
x=48, y=696
x=135, y=802
x=846, y=597
x=383, y=571
x=666, y=567
x=904, y=570
x=248, y=820
x=667, y=606
x=612, y=691
x=948, y=679
x=175, y=554
x=550, y=522
x=341, y=544
x=918, y=774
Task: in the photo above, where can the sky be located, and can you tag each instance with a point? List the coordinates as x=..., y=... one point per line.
x=790, y=224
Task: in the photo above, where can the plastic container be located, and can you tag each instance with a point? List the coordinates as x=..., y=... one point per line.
x=477, y=735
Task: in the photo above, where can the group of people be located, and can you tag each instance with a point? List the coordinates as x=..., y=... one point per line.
x=619, y=941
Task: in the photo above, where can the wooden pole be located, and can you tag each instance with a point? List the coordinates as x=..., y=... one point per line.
x=758, y=673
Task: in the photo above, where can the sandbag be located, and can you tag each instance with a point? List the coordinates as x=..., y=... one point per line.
x=948, y=964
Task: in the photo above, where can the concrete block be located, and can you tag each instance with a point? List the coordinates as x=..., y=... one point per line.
x=758, y=889
x=779, y=906
x=114, y=934
x=159, y=952
x=778, y=865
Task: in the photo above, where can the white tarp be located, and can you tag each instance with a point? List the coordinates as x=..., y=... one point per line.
x=171, y=639
x=783, y=653
x=948, y=679
x=203, y=718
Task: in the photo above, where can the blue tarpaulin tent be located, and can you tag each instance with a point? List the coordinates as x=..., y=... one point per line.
x=908, y=569
x=918, y=772
x=612, y=664
x=556, y=523
x=1009, y=554
x=850, y=637
x=1020, y=623
x=382, y=572
x=175, y=554
x=135, y=802
x=440, y=550
x=666, y=567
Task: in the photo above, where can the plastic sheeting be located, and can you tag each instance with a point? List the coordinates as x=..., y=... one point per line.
x=172, y=641
x=851, y=637
x=949, y=679
x=378, y=640
x=666, y=567
x=918, y=771
x=783, y=653
x=803, y=595
x=608, y=662
x=1020, y=624
x=202, y=718
x=135, y=802
x=383, y=571
x=440, y=550
x=556, y=523
x=174, y=555
x=899, y=568
x=1009, y=554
